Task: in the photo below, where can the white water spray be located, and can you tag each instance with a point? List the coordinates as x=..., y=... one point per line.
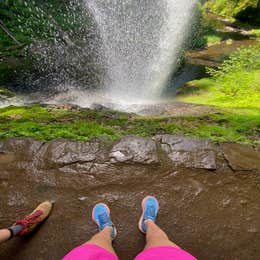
x=141, y=43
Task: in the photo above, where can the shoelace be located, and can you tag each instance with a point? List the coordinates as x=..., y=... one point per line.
x=150, y=212
x=104, y=219
x=29, y=220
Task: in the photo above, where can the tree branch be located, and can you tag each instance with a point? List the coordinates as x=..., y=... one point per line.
x=2, y=25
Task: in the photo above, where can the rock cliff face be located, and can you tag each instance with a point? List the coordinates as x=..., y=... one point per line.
x=209, y=193
x=89, y=157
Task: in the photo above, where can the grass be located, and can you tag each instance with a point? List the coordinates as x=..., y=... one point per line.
x=234, y=84
x=224, y=92
x=240, y=117
x=45, y=123
x=234, y=89
x=213, y=38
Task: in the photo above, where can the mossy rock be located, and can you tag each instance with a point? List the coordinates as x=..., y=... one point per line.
x=5, y=94
x=193, y=87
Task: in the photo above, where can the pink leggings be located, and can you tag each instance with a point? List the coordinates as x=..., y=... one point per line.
x=93, y=252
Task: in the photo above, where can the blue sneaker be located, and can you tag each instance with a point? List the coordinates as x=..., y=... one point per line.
x=150, y=207
x=101, y=216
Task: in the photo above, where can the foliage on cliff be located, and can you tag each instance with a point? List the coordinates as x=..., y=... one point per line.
x=245, y=10
x=29, y=21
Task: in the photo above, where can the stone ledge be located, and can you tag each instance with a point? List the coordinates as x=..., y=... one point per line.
x=87, y=157
x=241, y=157
x=189, y=152
x=132, y=149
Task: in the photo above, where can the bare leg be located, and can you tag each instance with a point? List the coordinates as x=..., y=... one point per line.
x=5, y=234
x=103, y=239
x=155, y=236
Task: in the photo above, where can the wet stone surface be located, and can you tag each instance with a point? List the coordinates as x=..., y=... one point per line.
x=208, y=206
x=242, y=157
x=189, y=152
x=134, y=150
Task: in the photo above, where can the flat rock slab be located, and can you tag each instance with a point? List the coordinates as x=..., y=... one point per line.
x=96, y=155
x=64, y=152
x=25, y=148
x=132, y=149
x=241, y=157
x=189, y=152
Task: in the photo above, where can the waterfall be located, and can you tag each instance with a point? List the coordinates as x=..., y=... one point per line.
x=141, y=43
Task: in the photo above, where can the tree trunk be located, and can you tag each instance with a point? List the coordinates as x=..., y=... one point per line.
x=2, y=25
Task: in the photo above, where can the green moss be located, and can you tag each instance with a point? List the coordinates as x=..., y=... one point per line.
x=213, y=38
x=74, y=130
x=48, y=123
x=237, y=89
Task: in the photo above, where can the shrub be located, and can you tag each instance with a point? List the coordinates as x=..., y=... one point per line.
x=229, y=8
x=240, y=74
x=245, y=59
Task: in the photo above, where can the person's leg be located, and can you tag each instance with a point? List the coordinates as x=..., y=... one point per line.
x=5, y=235
x=28, y=223
x=158, y=244
x=103, y=239
x=156, y=237
x=100, y=245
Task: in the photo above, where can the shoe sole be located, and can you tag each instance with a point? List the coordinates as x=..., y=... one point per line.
x=108, y=210
x=141, y=218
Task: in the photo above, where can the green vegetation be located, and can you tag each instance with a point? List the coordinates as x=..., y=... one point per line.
x=234, y=88
x=255, y=32
x=211, y=29
x=30, y=21
x=208, y=31
x=47, y=123
x=234, y=84
x=244, y=10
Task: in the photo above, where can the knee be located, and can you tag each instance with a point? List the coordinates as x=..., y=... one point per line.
x=158, y=234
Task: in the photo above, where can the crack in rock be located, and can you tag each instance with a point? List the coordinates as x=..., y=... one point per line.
x=189, y=152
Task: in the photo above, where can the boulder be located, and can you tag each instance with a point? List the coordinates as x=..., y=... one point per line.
x=18, y=153
x=189, y=152
x=59, y=153
x=21, y=148
x=241, y=157
x=132, y=149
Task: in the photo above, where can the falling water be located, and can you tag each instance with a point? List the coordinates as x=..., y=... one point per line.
x=141, y=43
x=126, y=56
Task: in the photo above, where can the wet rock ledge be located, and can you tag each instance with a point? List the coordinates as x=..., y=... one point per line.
x=99, y=156
x=208, y=193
